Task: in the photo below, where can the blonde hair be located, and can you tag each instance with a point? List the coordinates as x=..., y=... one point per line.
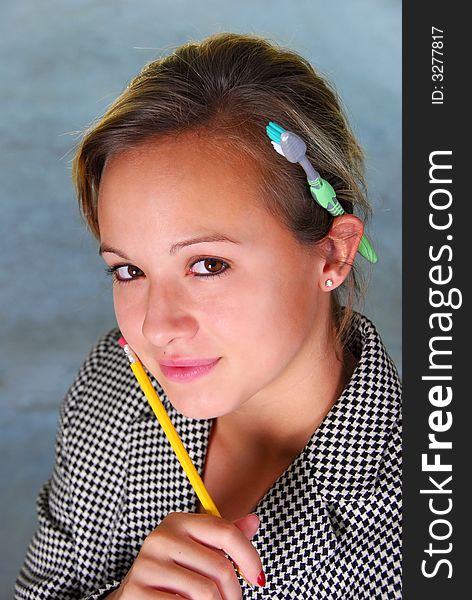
x=229, y=86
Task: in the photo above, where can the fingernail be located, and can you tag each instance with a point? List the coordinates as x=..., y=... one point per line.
x=258, y=520
x=261, y=579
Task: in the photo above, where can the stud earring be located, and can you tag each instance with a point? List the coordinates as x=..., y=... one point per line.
x=329, y=283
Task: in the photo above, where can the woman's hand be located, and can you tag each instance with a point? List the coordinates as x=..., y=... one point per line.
x=185, y=558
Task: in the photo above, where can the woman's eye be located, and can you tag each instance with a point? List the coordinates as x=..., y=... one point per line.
x=207, y=267
x=124, y=273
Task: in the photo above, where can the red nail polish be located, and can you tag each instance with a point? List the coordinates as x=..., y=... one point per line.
x=261, y=579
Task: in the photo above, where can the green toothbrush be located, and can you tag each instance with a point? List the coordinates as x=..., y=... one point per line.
x=293, y=148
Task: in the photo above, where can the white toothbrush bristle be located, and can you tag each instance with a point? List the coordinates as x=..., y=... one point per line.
x=277, y=147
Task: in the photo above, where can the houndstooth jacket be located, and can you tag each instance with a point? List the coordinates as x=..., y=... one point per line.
x=330, y=525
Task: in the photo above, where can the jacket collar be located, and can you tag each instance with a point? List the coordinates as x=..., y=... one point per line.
x=346, y=451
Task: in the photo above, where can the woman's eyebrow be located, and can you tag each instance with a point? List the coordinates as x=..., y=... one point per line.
x=104, y=248
x=215, y=237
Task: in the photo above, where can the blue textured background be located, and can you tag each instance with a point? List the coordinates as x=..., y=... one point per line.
x=62, y=63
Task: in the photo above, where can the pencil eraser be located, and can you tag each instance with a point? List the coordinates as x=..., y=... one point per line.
x=122, y=342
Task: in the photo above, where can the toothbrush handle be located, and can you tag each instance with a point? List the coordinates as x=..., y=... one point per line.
x=367, y=250
x=324, y=194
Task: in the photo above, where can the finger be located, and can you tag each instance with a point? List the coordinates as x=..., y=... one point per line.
x=225, y=536
x=172, y=578
x=212, y=563
x=189, y=554
x=248, y=525
x=149, y=594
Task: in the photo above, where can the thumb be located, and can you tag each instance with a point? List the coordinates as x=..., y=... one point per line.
x=248, y=525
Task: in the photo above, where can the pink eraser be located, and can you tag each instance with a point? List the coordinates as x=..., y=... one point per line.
x=122, y=342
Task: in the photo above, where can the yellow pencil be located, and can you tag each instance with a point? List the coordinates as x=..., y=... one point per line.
x=172, y=435
x=169, y=430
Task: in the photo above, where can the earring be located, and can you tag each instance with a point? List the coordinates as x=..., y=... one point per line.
x=329, y=283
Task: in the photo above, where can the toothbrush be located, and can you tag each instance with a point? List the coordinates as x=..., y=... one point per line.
x=293, y=148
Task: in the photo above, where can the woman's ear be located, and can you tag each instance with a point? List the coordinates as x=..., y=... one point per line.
x=340, y=247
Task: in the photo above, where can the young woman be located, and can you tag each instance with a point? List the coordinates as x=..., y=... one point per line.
x=236, y=290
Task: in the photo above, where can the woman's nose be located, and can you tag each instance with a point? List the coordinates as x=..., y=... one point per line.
x=167, y=317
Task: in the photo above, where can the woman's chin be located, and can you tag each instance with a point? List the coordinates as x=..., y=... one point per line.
x=196, y=407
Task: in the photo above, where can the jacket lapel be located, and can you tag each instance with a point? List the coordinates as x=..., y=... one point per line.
x=348, y=448
x=296, y=531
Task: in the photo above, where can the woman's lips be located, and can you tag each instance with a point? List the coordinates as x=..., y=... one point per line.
x=183, y=370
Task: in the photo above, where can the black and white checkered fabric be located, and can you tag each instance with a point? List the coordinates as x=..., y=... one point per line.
x=330, y=525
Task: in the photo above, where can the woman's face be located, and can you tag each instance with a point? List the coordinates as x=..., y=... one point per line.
x=208, y=276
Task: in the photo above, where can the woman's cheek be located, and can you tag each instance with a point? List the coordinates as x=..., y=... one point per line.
x=129, y=313
x=225, y=309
